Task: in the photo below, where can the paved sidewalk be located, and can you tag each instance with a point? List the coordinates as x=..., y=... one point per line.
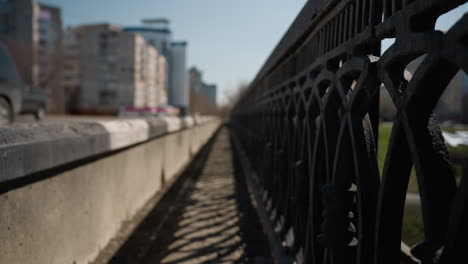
x=214, y=221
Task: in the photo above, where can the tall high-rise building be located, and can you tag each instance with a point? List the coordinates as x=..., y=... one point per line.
x=71, y=78
x=179, y=92
x=175, y=53
x=195, y=79
x=50, y=56
x=19, y=31
x=160, y=38
x=204, y=93
x=108, y=68
x=450, y=105
x=210, y=91
x=162, y=80
x=33, y=34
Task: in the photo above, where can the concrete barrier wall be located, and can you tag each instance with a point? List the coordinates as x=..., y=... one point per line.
x=75, y=203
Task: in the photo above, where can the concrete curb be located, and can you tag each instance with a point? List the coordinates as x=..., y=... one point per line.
x=30, y=148
x=68, y=214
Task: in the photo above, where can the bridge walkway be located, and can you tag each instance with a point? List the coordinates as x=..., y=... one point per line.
x=210, y=220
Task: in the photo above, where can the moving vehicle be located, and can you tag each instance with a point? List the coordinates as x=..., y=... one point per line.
x=11, y=88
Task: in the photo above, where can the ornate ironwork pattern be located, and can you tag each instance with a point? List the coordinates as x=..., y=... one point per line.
x=309, y=126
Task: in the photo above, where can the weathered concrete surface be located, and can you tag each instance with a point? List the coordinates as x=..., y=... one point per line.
x=29, y=148
x=70, y=215
x=211, y=221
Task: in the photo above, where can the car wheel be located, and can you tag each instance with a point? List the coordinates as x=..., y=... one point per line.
x=6, y=113
x=40, y=113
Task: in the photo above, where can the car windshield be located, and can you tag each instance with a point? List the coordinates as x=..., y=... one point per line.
x=7, y=67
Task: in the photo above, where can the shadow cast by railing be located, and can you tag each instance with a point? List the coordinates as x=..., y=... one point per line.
x=206, y=218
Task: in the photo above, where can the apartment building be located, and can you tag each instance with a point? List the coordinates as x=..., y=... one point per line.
x=175, y=53
x=450, y=105
x=209, y=91
x=179, y=92
x=109, y=68
x=19, y=31
x=50, y=56
x=33, y=34
x=202, y=94
x=162, y=81
x=71, y=78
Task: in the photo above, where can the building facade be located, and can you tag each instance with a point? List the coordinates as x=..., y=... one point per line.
x=210, y=91
x=33, y=34
x=179, y=92
x=162, y=81
x=108, y=68
x=203, y=95
x=175, y=54
x=160, y=38
x=19, y=31
x=450, y=105
x=71, y=78
x=50, y=56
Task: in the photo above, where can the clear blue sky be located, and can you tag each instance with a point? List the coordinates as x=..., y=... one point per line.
x=228, y=40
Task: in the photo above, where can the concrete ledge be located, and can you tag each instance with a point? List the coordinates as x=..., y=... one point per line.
x=72, y=215
x=29, y=148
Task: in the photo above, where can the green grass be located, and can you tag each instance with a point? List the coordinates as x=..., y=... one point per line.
x=385, y=129
x=453, y=129
x=413, y=228
x=460, y=150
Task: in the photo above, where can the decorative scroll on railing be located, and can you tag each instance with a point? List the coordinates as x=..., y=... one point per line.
x=309, y=125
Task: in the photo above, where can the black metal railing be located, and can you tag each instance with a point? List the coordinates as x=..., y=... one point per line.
x=309, y=126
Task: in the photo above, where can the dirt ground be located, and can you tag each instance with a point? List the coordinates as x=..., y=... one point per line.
x=207, y=219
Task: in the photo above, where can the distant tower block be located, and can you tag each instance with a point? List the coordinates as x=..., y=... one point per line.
x=157, y=33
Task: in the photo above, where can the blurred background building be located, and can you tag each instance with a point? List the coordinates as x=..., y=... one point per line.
x=20, y=32
x=50, y=56
x=33, y=34
x=107, y=68
x=202, y=95
x=71, y=68
x=452, y=105
x=210, y=91
x=157, y=33
x=162, y=70
x=178, y=89
x=94, y=68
